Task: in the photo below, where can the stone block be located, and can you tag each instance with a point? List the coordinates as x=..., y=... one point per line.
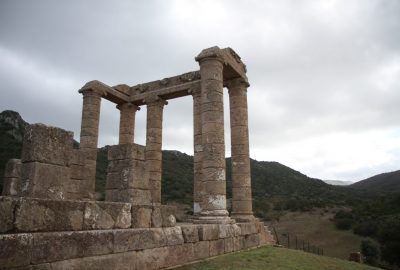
x=156, y=218
x=238, y=243
x=107, y=215
x=13, y=168
x=168, y=215
x=141, y=216
x=139, y=196
x=190, y=233
x=57, y=246
x=229, y=245
x=225, y=230
x=217, y=247
x=173, y=235
x=11, y=186
x=237, y=231
x=138, y=239
x=126, y=151
x=180, y=254
x=251, y=240
x=34, y=215
x=208, y=232
x=247, y=228
x=201, y=250
x=79, y=172
x=77, y=157
x=7, y=206
x=15, y=250
x=123, y=261
x=42, y=180
x=151, y=259
x=47, y=145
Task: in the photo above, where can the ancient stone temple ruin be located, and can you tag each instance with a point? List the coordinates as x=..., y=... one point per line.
x=49, y=218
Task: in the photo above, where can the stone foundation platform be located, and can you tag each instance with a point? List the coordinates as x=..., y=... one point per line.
x=49, y=234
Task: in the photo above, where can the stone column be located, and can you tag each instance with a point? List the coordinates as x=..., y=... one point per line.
x=241, y=177
x=153, y=153
x=127, y=122
x=90, y=133
x=198, y=187
x=212, y=117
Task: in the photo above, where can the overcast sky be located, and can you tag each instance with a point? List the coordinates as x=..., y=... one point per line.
x=325, y=75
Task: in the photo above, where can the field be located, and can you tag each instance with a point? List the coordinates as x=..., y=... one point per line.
x=273, y=258
x=316, y=227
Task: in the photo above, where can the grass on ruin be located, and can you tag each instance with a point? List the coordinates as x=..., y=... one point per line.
x=273, y=258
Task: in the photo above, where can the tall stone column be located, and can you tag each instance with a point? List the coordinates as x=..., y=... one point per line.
x=153, y=153
x=127, y=122
x=241, y=177
x=198, y=187
x=90, y=133
x=212, y=117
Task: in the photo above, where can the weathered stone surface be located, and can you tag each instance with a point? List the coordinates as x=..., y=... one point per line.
x=247, y=228
x=138, y=239
x=56, y=246
x=12, y=178
x=225, y=230
x=201, y=250
x=42, y=180
x=47, y=145
x=33, y=215
x=179, y=254
x=168, y=215
x=251, y=240
x=173, y=235
x=7, y=206
x=151, y=259
x=15, y=250
x=156, y=218
x=107, y=215
x=123, y=261
x=190, y=233
x=126, y=151
x=238, y=243
x=208, y=232
x=141, y=216
x=217, y=247
x=228, y=244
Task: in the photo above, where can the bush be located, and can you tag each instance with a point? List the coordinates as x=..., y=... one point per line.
x=366, y=228
x=343, y=223
x=370, y=252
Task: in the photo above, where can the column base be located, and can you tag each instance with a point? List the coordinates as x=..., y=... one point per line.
x=213, y=217
x=244, y=217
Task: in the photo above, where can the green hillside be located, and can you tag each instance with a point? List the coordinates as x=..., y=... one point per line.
x=385, y=182
x=272, y=258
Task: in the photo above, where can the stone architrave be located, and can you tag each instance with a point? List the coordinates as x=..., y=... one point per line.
x=212, y=117
x=90, y=132
x=153, y=153
x=241, y=177
x=198, y=187
x=127, y=122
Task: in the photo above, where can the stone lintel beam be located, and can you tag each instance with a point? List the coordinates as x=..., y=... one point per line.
x=114, y=95
x=175, y=91
x=234, y=67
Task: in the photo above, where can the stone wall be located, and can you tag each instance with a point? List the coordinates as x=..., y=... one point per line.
x=141, y=249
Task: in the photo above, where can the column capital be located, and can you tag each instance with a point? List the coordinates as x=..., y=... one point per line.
x=237, y=83
x=154, y=100
x=210, y=53
x=93, y=88
x=128, y=106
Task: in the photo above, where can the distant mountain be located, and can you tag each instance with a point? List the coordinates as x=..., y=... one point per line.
x=385, y=182
x=338, y=182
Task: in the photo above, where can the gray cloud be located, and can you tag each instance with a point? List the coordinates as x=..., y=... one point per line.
x=324, y=74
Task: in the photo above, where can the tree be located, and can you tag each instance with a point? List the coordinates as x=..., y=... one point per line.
x=370, y=251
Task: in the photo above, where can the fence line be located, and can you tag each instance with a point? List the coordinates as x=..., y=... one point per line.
x=293, y=242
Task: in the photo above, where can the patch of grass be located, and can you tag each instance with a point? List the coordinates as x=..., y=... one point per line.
x=317, y=228
x=272, y=258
